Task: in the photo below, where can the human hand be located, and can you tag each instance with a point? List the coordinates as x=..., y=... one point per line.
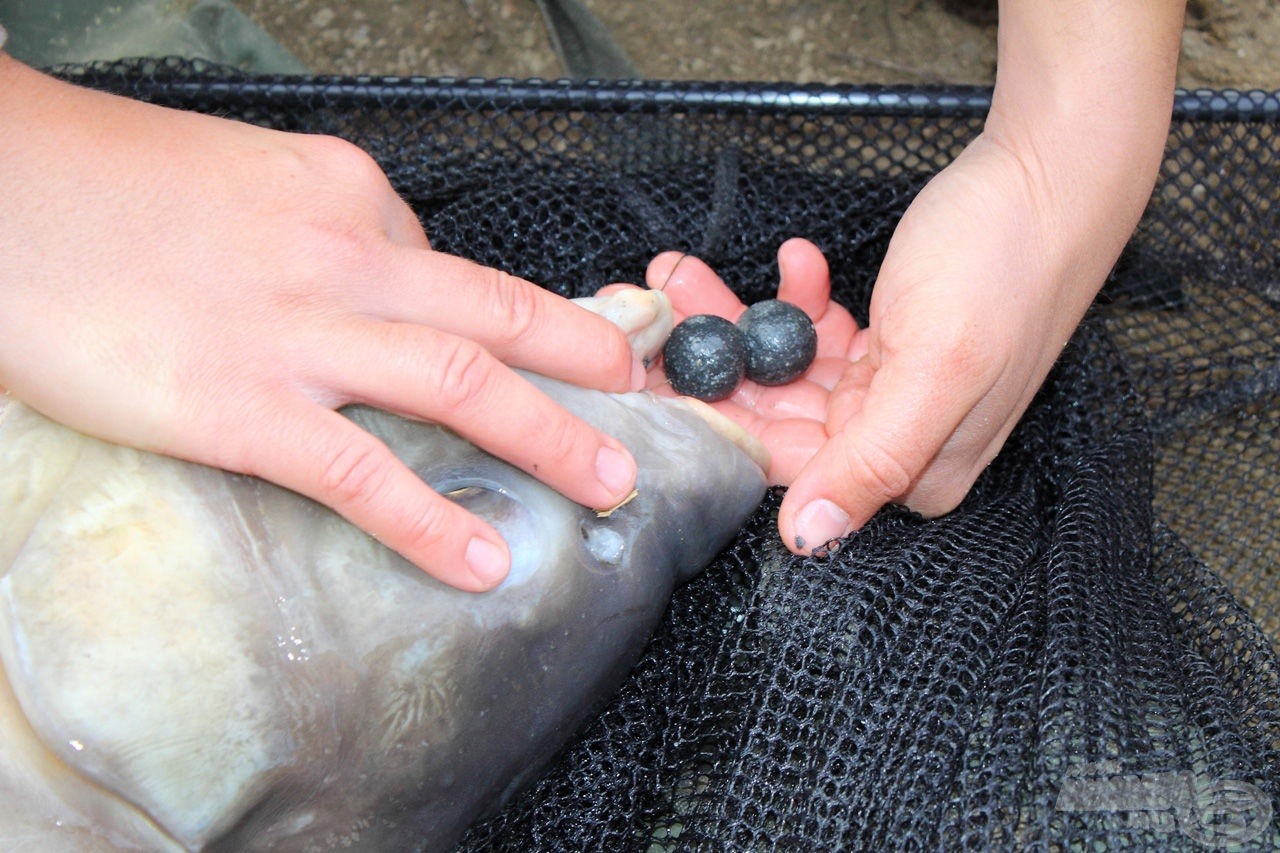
x=978, y=293
x=211, y=290
x=788, y=419
x=986, y=278
x=994, y=263
x=989, y=271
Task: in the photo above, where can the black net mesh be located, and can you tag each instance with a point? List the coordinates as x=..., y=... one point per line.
x=1083, y=655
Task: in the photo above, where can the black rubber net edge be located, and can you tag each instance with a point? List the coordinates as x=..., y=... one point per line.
x=179, y=80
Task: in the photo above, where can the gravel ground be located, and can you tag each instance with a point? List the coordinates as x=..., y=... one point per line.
x=1227, y=43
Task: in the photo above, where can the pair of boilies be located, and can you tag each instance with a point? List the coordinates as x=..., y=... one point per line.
x=707, y=357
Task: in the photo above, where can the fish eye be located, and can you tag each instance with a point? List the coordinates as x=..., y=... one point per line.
x=487, y=500
x=515, y=521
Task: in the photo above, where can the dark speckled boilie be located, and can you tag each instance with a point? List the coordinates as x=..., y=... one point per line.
x=781, y=342
x=705, y=357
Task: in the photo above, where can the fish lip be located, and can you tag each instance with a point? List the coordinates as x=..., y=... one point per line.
x=645, y=316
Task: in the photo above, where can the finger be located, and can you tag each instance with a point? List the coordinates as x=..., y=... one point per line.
x=848, y=394
x=952, y=472
x=858, y=345
x=328, y=458
x=905, y=417
x=656, y=382
x=826, y=372
x=423, y=373
x=805, y=281
x=518, y=322
x=692, y=286
x=791, y=444
x=966, y=454
x=804, y=278
x=617, y=287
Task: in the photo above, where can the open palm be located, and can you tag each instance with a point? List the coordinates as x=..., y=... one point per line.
x=788, y=419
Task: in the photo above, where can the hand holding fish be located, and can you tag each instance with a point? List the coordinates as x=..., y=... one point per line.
x=270, y=279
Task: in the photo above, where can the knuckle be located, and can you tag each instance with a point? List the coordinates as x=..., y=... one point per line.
x=936, y=499
x=331, y=251
x=966, y=352
x=462, y=374
x=354, y=472
x=235, y=416
x=969, y=357
x=949, y=497
x=516, y=307
x=880, y=471
x=614, y=353
x=346, y=161
x=560, y=442
x=430, y=529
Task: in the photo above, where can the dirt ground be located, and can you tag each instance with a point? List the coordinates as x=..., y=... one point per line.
x=1226, y=44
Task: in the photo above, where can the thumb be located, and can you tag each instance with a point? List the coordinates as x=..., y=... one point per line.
x=901, y=420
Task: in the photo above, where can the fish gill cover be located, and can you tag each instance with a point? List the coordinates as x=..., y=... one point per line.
x=1082, y=654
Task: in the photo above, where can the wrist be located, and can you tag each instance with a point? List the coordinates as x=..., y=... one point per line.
x=1082, y=103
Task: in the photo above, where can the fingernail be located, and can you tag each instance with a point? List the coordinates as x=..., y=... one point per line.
x=638, y=375
x=616, y=470
x=820, y=522
x=487, y=561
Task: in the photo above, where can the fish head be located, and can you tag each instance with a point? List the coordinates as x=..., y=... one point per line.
x=197, y=659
